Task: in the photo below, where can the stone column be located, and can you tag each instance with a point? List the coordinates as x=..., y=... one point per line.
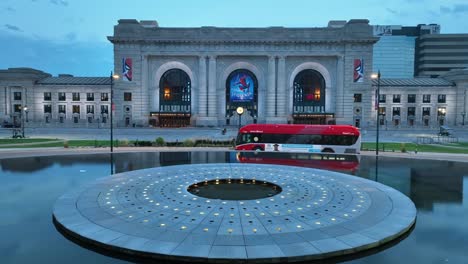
x=8, y=110
x=282, y=90
x=271, y=88
x=202, y=99
x=212, y=97
x=145, y=91
x=339, y=96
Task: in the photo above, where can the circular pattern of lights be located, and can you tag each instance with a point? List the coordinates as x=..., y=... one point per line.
x=317, y=214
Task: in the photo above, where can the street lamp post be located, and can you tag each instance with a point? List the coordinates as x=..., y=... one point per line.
x=112, y=77
x=377, y=106
x=240, y=111
x=25, y=109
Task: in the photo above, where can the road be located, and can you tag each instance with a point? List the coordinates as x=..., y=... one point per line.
x=180, y=134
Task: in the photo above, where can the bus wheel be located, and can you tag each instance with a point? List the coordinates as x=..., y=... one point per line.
x=328, y=150
x=257, y=149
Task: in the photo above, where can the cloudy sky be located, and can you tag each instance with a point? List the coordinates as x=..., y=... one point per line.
x=69, y=36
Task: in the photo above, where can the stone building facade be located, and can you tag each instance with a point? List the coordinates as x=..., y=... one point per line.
x=271, y=58
x=200, y=76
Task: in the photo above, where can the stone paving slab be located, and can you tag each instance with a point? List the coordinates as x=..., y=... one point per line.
x=318, y=214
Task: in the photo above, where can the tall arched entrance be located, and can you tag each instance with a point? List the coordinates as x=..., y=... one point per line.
x=241, y=91
x=174, y=99
x=309, y=98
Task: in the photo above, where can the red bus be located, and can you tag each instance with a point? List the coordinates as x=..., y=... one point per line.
x=299, y=138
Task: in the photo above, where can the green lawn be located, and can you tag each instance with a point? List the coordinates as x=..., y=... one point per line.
x=460, y=148
x=6, y=143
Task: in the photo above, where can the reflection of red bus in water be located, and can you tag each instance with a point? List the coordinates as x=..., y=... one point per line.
x=335, y=162
x=299, y=138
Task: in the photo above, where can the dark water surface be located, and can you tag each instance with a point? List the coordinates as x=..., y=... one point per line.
x=30, y=186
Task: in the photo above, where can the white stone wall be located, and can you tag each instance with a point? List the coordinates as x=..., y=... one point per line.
x=450, y=105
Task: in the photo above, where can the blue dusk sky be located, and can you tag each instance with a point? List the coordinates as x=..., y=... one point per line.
x=70, y=36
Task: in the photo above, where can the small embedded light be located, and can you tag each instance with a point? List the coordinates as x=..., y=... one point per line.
x=146, y=220
x=205, y=229
x=183, y=227
x=230, y=230
x=346, y=215
x=254, y=230
x=299, y=226
x=278, y=228
x=202, y=213
x=162, y=225
x=333, y=219
x=216, y=214
x=317, y=223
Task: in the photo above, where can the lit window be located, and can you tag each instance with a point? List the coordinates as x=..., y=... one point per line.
x=317, y=94
x=167, y=93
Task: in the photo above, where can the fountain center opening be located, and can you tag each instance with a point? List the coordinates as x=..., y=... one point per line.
x=234, y=189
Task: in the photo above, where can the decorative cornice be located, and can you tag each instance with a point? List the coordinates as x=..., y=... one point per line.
x=226, y=41
x=132, y=31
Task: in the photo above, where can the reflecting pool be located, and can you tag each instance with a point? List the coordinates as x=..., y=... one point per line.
x=29, y=188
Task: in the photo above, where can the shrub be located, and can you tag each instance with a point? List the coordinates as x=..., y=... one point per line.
x=65, y=144
x=143, y=143
x=159, y=141
x=188, y=143
x=403, y=147
x=123, y=143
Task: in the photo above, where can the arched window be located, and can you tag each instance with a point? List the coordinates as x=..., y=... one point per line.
x=309, y=92
x=241, y=90
x=174, y=99
x=174, y=91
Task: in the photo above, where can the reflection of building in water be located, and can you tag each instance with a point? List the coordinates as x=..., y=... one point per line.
x=33, y=164
x=136, y=161
x=431, y=184
x=426, y=182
